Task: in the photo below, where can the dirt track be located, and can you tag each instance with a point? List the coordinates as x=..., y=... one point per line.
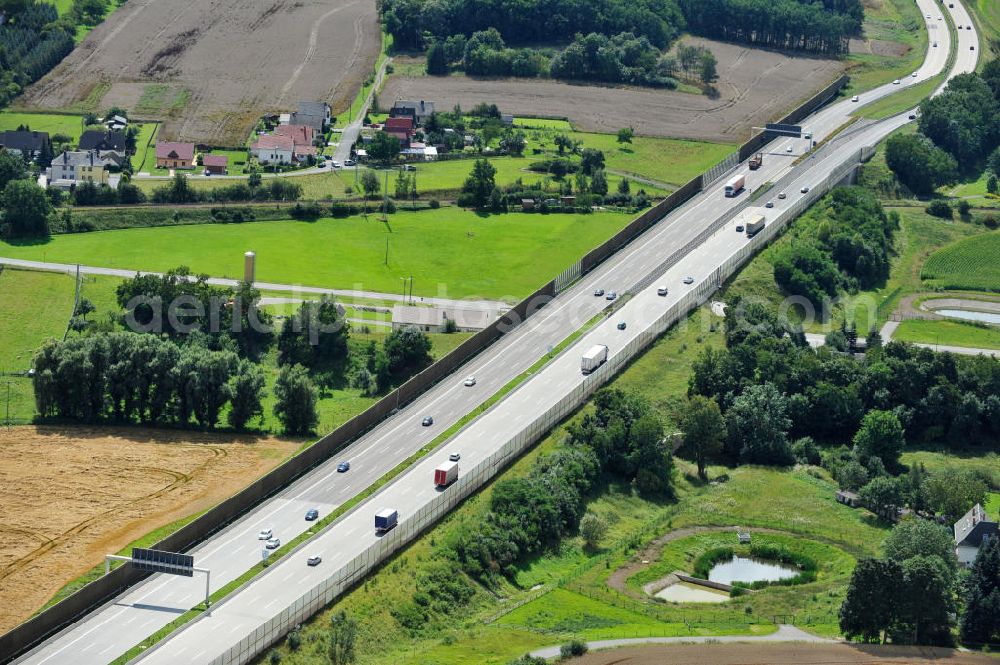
x=780, y=654
x=755, y=86
x=68, y=496
x=216, y=65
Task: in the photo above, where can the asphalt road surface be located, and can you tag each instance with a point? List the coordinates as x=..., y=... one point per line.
x=112, y=629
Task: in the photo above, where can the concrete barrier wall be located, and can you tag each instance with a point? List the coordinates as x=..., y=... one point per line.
x=44, y=624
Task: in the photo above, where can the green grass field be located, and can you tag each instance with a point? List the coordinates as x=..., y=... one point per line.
x=145, y=147
x=987, y=14
x=972, y=264
x=902, y=101
x=53, y=123
x=448, y=251
x=898, y=21
x=948, y=333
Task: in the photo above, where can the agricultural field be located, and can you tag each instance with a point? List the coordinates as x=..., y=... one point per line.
x=112, y=486
x=972, y=264
x=210, y=69
x=755, y=86
x=445, y=250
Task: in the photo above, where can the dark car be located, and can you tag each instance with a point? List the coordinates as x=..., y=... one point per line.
x=611, y=295
x=427, y=421
x=621, y=325
x=312, y=514
x=343, y=467
x=599, y=292
x=912, y=116
x=739, y=228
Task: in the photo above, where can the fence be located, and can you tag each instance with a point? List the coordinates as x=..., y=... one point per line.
x=720, y=169
x=31, y=632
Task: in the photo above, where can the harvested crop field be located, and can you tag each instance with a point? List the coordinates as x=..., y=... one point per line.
x=781, y=654
x=69, y=496
x=755, y=86
x=210, y=68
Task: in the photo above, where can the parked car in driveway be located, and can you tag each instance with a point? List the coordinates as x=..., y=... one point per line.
x=312, y=514
x=349, y=162
x=427, y=421
x=314, y=560
x=343, y=467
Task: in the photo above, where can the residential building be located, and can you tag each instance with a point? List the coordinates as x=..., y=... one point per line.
x=301, y=134
x=419, y=111
x=26, y=143
x=74, y=167
x=971, y=532
x=215, y=164
x=435, y=319
x=106, y=141
x=173, y=155
x=273, y=149
x=400, y=124
x=314, y=114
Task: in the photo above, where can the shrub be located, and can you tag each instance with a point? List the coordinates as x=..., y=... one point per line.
x=434, y=204
x=572, y=649
x=940, y=209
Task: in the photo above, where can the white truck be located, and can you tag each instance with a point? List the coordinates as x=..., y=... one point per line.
x=446, y=474
x=755, y=225
x=736, y=185
x=595, y=356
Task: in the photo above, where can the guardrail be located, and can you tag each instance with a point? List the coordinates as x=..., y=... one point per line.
x=42, y=625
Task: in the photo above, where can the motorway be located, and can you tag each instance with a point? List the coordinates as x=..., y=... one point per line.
x=110, y=630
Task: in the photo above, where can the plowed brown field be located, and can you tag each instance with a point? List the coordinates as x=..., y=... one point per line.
x=210, y=68
x=781, y=654
x=68, y=496
x=755, y=87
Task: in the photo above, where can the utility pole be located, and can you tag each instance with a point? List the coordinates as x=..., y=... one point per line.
x=387, y=249
x=411, y=289
x=385, y=198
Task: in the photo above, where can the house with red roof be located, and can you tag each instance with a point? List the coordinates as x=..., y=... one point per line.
x=215, y=164
x=273, y=149
x=173, y=155
x=301, y=134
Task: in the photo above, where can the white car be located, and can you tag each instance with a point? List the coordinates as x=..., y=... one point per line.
x=454, y=457
x=805, y=189
x=470, y=381
x=689, y=280
x=781, y=195
x=896, y=82
x=769, y=204
x=855, y=97
x=788, y=149
x=661, y=291
x=334, y=163
x=265, y=534
x=913, y=75
x=272, y=544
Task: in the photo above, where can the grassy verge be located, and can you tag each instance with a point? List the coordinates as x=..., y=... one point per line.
x=948, y=333
x=900, y=24
x=326, y=521
x=145, y=147
x=901, y=101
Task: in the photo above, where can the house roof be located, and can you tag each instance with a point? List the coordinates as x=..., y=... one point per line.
x=215, y=160
x=314, y=108
x=23, y=139
x=274, y=142
x=974, y=527
x=304, y=150
x=174, y=150
x=298, y=133
x=95, y=139
x=76, y=158
x=421, y=107
x=400, y=134
x=404, y=123
x=476, y=319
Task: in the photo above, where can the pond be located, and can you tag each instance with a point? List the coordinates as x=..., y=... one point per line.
x=969, y=315
x=683, y=592
x=744, y=569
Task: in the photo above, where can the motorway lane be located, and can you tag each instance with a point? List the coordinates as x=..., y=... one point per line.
x=214, y=634
x=117, y=626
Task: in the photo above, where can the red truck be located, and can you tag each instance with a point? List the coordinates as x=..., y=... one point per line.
x=756, y=161
x=446, y=474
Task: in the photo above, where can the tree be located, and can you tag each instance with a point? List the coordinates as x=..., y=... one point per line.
x=437, y=60
x=926, y=601
x=869, y=608
x=404, y=351
x=706, y=67
x=593, y=530
x=513, y=142
x=758, y=424
x=952, y=491
x=480, y=183
x=25, y=210
x=917, y=537
x=623, y=186
x=315, y=336
x=625, y=135
x=704, y=430
x=12, y=167
x=369, y=182
x=384, y=147
x=881, y=435
x=342, y=638
x=918, y=164
x=599, y=182
x=882, y=495
x=402, y=186
x=992, y=184
x=295, y=400
x=253, y=182
x=246, y=387
x=981, y=620
x=591, y=160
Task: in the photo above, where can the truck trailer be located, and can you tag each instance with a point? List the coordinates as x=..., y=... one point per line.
x=386, y=519
x=755, y=225
x=736, y=185
x=446, y=474
x=596, y=356
x=756, y=161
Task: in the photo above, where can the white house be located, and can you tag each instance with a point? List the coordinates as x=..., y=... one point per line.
x=271, y=149
x=971, y=532
x=72, y=168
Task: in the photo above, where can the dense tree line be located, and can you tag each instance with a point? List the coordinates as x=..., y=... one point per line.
x=773, y=389
x=850, y=248
x=32, y=41
x=787, y=24
x=622, y=58
x=179, y=190
x=919, y=164
x=413, y=23
x=964, y=120
x=527, y=515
